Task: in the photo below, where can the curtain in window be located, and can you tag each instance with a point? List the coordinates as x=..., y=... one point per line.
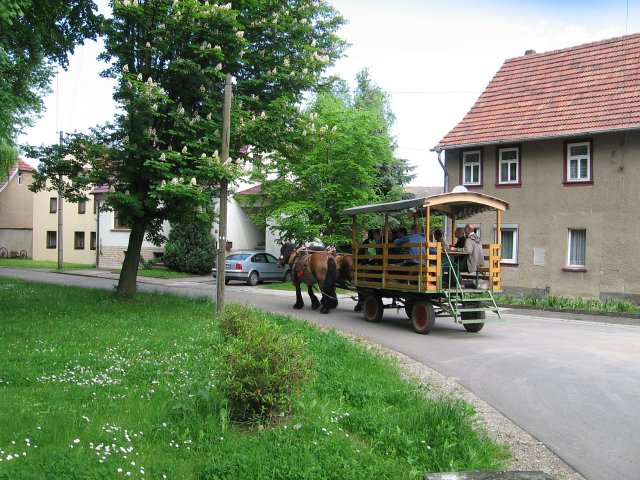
x=506, y=239
x=577, y=247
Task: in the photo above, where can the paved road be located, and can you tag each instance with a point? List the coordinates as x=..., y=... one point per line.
x=573, y=384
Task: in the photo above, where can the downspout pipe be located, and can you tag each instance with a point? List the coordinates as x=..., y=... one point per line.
x=439, y=151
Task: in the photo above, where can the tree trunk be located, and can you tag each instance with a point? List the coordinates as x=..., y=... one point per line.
x=129, y=273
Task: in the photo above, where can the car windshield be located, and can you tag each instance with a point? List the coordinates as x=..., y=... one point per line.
x=239, y=256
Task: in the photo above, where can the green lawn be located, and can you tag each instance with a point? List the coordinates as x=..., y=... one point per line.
x=28, y=263
x=96, y=387
x=160, y=272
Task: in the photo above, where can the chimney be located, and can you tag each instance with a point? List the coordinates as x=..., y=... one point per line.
x=529, y=52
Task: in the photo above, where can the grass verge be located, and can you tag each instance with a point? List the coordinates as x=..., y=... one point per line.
x=28, y=263
x=564, y=303
x=158, y=272
x=92, y=386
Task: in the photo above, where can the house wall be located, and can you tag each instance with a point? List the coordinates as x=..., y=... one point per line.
x=113, y=243
x=16, y=214
x=73, y=221
x=544, y=209
x=241, y=232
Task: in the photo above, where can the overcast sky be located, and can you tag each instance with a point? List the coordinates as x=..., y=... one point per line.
x=434, y=58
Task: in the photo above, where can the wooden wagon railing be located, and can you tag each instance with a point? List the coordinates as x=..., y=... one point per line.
x=390, y=270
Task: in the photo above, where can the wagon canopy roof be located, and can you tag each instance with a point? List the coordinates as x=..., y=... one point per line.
x=460, y=205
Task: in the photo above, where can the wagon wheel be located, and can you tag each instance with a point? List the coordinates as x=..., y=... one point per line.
x=408, y=307
x=4, y=253
x=372, y=308
x=473, y=327
x=23, y=254
x=423, y=317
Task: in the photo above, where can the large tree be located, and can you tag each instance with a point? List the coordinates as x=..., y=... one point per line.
x=159, y=158
x=35, y=36
x=343, y=156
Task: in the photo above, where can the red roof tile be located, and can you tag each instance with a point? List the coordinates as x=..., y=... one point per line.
x=251, y=190
x=20, y=166
x=585, y=89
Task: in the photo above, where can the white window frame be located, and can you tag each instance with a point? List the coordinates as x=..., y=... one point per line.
x=579, y=159
x=572, y=244
x=511, y=163
x=473, y=166
x=513, y=257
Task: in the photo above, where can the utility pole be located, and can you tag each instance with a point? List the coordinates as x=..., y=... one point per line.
x=224, y=187
x=60, y=217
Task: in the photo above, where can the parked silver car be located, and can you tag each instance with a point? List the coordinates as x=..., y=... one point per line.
x=253, y=267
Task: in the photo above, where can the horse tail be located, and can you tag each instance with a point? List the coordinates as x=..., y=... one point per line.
x=330, y=280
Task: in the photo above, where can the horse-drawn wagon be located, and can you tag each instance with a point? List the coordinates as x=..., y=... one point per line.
x=429, y=283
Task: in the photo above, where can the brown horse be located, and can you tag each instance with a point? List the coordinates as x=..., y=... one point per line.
x=345, y=266
x=311, y=267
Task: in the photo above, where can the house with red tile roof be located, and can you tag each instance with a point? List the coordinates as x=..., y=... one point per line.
x=16, y=209
x=557, y=135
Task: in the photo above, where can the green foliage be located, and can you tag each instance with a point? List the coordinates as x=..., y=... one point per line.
x=261, y=367
x=34, y=36
x=190, y=247
x=171, y=59
x=565, y=303
x=343, y=156
x=8, y=156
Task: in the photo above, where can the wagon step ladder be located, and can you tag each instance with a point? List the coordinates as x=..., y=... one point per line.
x=471, y=300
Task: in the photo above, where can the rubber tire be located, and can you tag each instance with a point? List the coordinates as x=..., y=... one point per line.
x=226, y=281
x=423, y=317
x=253, y=279
x=372, y=308
x=473, y=327
x=287, y=276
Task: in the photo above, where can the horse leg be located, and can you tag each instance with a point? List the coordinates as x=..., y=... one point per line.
x=315, y=303
x=299, y=302
x=329, y=296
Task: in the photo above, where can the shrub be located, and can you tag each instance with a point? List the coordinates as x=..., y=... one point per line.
x=190, y=247
x=261, y=368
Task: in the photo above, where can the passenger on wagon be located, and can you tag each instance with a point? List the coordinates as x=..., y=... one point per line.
x=414, y=237
x=474, y=257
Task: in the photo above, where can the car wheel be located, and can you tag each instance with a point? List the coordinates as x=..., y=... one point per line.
x=253, y=279
x=287, y=276
x=226, y=281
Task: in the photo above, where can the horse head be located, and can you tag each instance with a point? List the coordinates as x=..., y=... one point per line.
x=286, y=252
x=346, y=266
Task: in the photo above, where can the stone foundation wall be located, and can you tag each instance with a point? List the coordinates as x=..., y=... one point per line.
x=112, y=257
